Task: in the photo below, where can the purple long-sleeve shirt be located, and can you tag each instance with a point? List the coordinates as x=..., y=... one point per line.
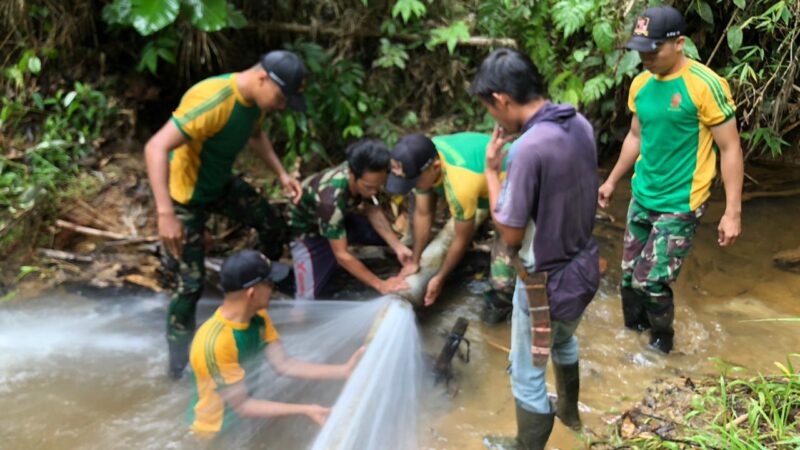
x=552, y=180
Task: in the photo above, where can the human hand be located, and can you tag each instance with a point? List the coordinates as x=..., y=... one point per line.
x=170, y=230
x=317, y=413
x=434, y=289
x=404, y=254
x=409, y=269
x=292, y=187
x=605, y=193
x=350, y=365
x=729, y=229
x=389, y=285
x=494, y=149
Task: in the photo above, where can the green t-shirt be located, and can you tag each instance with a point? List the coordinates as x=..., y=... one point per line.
x=678, y=156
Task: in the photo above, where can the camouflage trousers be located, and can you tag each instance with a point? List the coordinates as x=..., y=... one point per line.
x=655, y=246
x=502, y=275
x=239, y=202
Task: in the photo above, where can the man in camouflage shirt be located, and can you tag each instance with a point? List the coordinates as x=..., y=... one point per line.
x=328, y=216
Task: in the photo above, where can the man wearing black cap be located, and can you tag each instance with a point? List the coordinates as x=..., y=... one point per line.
x=225, y=352
x=190, y=160
x=681, y=111
x=451, y=166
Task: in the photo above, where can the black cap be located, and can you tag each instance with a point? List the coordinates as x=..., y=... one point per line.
x=248, y=268
x=654, y=26
x=409, y=158
x=288, y=71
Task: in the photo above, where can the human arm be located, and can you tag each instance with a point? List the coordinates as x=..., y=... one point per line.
x=424, y=209
x=381, y=226
x=262, y=146
x=156, y=153
x=631, y=147
x=356, y=268
x=286, y=365
x=726, y=137
x=464, y=229
x=236, y=396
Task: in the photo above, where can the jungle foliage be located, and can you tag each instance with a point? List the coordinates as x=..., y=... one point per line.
x=379, y=67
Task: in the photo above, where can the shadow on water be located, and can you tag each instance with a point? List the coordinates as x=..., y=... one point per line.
x=81, y=373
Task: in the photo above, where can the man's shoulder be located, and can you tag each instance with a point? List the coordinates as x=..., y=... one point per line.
x=702, y=78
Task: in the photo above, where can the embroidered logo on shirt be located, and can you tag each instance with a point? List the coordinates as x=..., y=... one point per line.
x=677, y=98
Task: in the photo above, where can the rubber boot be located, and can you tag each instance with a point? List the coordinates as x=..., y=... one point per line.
x=178, y=346
x=533, y=430
x=568, y=386
x=661, y=331
x=496, y=308
x=633, y=311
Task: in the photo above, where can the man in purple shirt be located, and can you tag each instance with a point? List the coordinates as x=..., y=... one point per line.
x=546, y=210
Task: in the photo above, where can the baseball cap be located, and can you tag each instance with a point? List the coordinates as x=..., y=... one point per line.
x=288, y=71
x=409, y=158
x=247, y=268
x=654, y=26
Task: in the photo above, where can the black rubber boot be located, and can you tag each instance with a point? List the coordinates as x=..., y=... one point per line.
x=661, y=331
x=178, y=347
x=633, y=311
x=496, y=308
x=568, y=386
x=533, y=430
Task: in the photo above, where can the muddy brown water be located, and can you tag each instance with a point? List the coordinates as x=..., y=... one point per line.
x=80, y=373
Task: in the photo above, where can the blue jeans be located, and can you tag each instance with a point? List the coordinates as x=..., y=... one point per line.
x=527, y=381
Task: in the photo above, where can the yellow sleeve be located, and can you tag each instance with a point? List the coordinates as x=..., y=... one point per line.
x=716, y=102
x=636, y=85
x=225, y=368
x=203, y=110
x=270, y=332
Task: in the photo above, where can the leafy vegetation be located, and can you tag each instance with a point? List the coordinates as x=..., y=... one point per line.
x=380, y=67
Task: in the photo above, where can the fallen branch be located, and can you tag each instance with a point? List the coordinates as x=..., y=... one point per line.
x=498, y=346
x=473, y=41
x=64, y=256
x=102, y=233
x=770, y=194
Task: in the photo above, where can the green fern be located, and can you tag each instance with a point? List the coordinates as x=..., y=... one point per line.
x=570, y=15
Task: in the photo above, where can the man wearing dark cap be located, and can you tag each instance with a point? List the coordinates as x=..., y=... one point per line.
x=683, y=114
x=190, y=161
x=451, y=166
x=226, y=351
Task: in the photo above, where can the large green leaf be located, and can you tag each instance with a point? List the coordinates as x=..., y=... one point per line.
x=690, y=49
x=741, y=4
x=705, y=12
x=208, y=15
x=735, y=38
x=149, y=16
x=629, y=62
x=603, y=35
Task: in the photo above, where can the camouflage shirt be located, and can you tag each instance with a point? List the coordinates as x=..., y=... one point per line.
x=325, y=201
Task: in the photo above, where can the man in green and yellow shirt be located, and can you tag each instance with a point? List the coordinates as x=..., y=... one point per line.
x=230, y=346
x=190, y=161
x=451, y=166
x=683, y=115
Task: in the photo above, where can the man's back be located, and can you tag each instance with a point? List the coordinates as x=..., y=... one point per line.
x=217, y=121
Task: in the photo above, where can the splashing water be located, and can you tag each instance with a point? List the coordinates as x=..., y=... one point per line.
x=90, y=375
